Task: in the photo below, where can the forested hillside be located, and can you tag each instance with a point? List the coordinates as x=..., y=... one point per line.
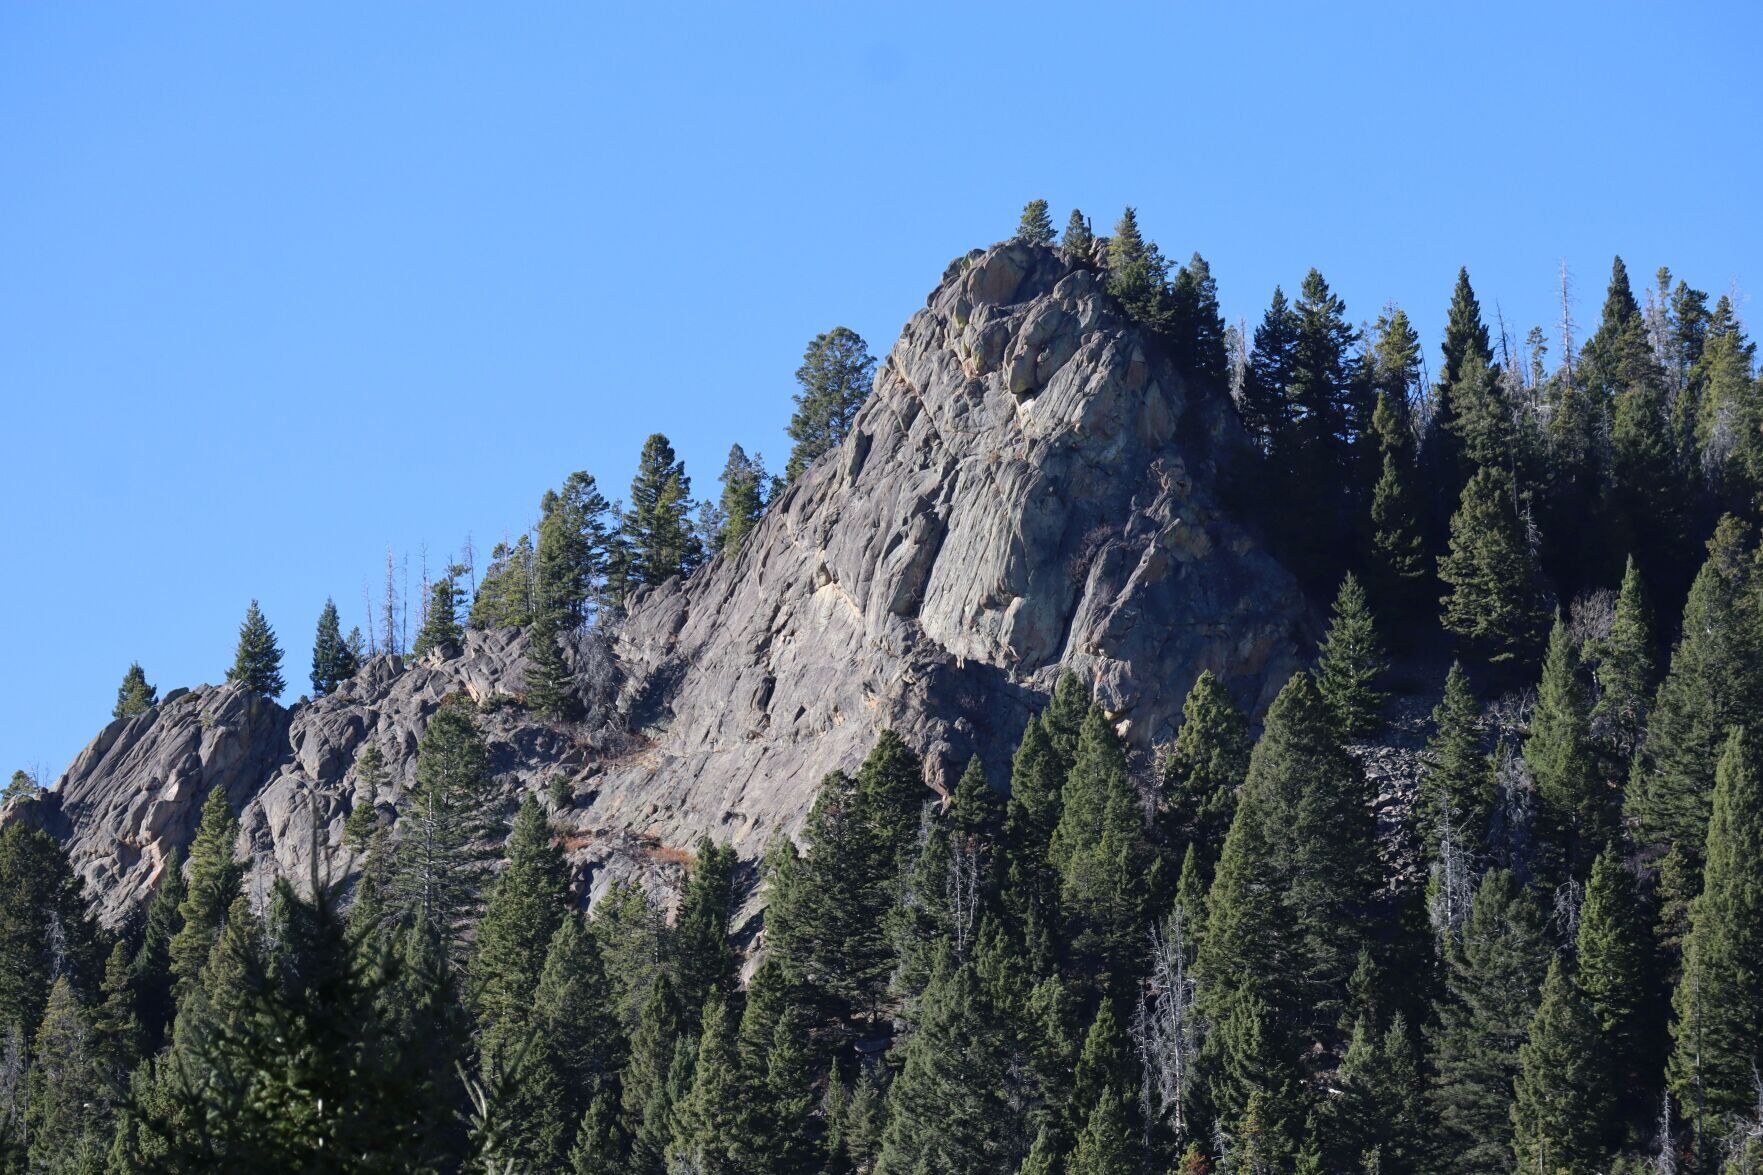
x=1096, y=950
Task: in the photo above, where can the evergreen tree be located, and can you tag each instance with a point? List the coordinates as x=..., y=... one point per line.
x=1079, y=240
x=1466, y=336
x=513, y=936
x=333, y=662
x=704, y=963
x=1558, y=752
x=1495, y=603
x=1106, y=1145
x=1031, y=895
x=573, y=550
x=1266, y=413
x=1398, y=534
x=1138, y=273
x=258, y=663
x=134, y=695
x=1562, y=1093
x=710, y=1133
x=437, y=870
x=1617, y=975
x=602, y=1147
x=152, y=962
x=654, y=1077
x=550, y=680
x=1036, y=227
x=43, y=927
x=836, y=376
x=440, y=624
x=1099, y=851
x=657, y=528
x=70, y=1091
x=1717, y=1024
x=1328, y=413
x=1204, y=769
x=1712, y=685
x=213, y=885
x=505, y=596
x=1195, y=324
x=1492, y=976
x=745, y=485
x=1349, y=663
x=116, y=1027
x=1623, y=666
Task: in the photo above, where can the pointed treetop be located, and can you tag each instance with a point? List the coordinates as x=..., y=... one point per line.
x=1036, y=227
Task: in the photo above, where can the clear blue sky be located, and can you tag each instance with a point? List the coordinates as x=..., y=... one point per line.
x=282, y=284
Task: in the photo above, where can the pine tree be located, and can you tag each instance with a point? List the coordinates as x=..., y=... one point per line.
x=67, y=1107
x=152, y=962
x=1617, y=974
x=1562, y=1094
x=1558, y=752
x=573, y=550
x=1204, y=769
x=1099, y=851
x=1036, y=227
x=1349, y=663
x=1717, y=1024
x=1492, y=976
x=1623, y=666
x=1138, y=273
x=1712, y=685
x=213, y=884
x=657, y=524
x=505, y=596
x=550, y=680
x=513, y=936
x=1466, y=336
x=1195, y=324
x=836, y=376
x=1398, y=533
x=704, y=963
x=258, y=664
x=1328, y=410
x=1079, y=241
x=437, y=870
x=602, y=1146
x=1483, y=422
x=745, y=485
x=709, y=1135
x=134, y=695
x=654, y=1076
x=1106, y=1145
x=333, y=662
x=1265, y=410
x=116, y=1027
x=43, y=927
x=1031, y=893
x=1495, y=603
x=440, y=624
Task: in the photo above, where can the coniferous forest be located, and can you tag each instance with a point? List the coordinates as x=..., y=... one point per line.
x=1535, y=564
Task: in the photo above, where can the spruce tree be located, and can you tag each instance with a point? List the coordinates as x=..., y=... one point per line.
x=1107, y=1145
x=657, y=528
x=573, y=549
x=710, y=1135
x=69, y=1090
x=704, y=963
x=213, y=884
x=258, y=663
x=1712, y=685
x=1398, y=532
x=1623, y=666
x=653, y=1078
x=1558, y=751
x=1717, y=1022
x=1079, y=241
x=440, y=625
x=745, y=485
x=550, y=681
x=1466, y=336
x=1035, y=227
x=152, y=962
x=1204, y=769
x=437, y=869
x=116, y=1026
x=1265, y=411
x=333, y=662
x=602, y=1146
x=1618, y=975
x=134, y=695
x=513, y=937
x=836, y=376
x=1031, y=893
x=1350, y=662
x=43, y=926
x=1562, y=1094
x=505, y=597
x=1138, y=273
x=1495, y=603
x=1492, y=976
x=1099, y=851
x=1195, y=324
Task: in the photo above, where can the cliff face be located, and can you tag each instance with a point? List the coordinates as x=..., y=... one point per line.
x=1031, y=487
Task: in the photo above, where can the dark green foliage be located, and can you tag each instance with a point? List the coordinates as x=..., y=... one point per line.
x=1079, y=240
x=1712, y=685
x=523, y=912
x=333, y=662
x=1458, y=788
x=258, y=663
x=655, y=1077
x=1466, y=337
x=1562, y=1094
x=1618, y=975
x=1398, y=555
x=1100, y=853
x=1035, y=227
x=1495, y=604
x=214, y=875
x=550, y=682
x=573, y=550
x=1107, y=1145
x=1266, y=414
x=1195, y=325
x=440, y=623
x=710, y=1135
x=704, y=962
x=1493, y=972
x=507, y=594
x=656, y=539
x=1558, y=751
x=70, y=1088
x=1717, y=1022
x=745, y=489
x=134, y=695
x=836, y=375
x=1623, y=666
x=1350, y=662
x=116, y=1026
x=43, y=929
x=1204, y=769
x=152, y=962
x=1137, y=273
x=437, y=870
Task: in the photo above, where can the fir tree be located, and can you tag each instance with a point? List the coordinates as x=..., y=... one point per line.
x=1495, y=603
x=744, y=488
x=550, y=681
x=1079, y=241
x=836, y=376
x=1264, y=408
x=1492, y=976
x=1349, y=663
x=152, y=962
x=1099, y=851
x=1137, y=273
x=333, y=662
x=505, y=596
x=70, y=1090
x=213, y=884
x=116, y=1027
x=1562, y=1093
x=1558, y=752
x=656, y=529
x=1458, y=784
x=573, y=550
x=1106, y=1145
x=1717, y=1024
x=134, y=695
x=710, y=1134
x=1398, y=534
x=1195, y=324
x=1466, y=336
x=258, y=663
x=1204, y=769
x=1617, y=975
x=654, y=1076
x=704, y=963
x=43, y=927
x=514, y=934
x=1036, y=227
x=602, y=1147
x=1623, y=666
x=437, y=870
x=440, y=623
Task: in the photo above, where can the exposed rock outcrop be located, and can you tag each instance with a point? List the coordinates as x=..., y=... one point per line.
x=1032, y=486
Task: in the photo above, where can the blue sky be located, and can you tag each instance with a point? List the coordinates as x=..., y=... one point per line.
x=282, y=285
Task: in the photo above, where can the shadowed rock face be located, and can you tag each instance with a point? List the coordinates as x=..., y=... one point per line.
x=1031, y=487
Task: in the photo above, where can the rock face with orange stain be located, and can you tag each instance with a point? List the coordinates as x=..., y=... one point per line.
x=1031, y=488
